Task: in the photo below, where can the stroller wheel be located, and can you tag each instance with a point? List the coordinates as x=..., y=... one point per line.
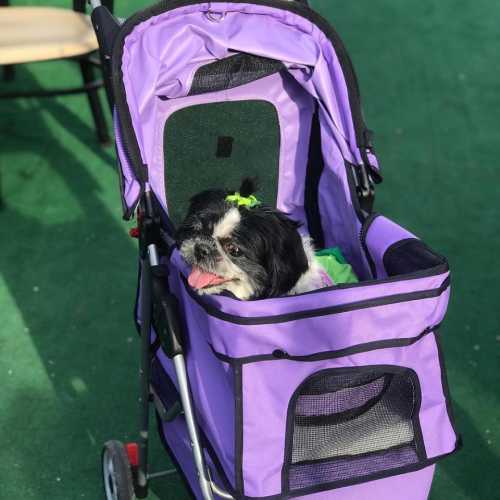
x=116, y=472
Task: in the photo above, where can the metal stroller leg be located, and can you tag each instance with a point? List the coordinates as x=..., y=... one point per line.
x=180, y=370
x=185, y=394
x=144, y=399
x=155, y=294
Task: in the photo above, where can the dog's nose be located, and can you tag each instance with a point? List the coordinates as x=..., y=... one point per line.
x=201, y=251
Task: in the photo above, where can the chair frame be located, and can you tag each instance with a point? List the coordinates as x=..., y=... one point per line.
x=91, y=82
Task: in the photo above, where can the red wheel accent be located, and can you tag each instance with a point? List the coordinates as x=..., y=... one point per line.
x=132, y=453
x=134, y=232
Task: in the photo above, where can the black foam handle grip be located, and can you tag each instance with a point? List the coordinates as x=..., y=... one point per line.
x=166, y=317
x=106, y=27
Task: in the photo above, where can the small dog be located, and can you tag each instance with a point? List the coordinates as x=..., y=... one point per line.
x=253, y=251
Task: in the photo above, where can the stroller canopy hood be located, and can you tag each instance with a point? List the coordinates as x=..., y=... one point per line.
x=159, y=51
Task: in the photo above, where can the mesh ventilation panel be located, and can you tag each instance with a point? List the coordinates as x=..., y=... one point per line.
x=232, y=72
x=215, y=145
x=350, y=425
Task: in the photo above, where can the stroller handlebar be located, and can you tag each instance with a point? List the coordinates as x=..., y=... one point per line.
x=94, y=3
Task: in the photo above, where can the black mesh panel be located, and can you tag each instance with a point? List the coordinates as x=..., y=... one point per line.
x=349, y=425
x=232, y=72
x=408, y=256
x=215, y=145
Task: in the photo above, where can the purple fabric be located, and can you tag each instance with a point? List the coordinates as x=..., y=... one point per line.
x=209, y=380
x=395, y=321
x=166, y=50
x=160, y=58
x=269, y=385
x=162, y=54
x=267, y=392
x=325, y=297
x=411, y=486
x=176, y=435
x=381, y=235
x=292, y=105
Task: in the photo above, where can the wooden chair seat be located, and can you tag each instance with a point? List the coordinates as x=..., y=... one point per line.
x=29, y=34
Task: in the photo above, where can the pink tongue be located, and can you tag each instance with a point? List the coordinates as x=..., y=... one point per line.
x=201, y=279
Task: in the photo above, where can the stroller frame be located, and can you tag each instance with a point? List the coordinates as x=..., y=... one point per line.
x=160, y=306
x=151, y=240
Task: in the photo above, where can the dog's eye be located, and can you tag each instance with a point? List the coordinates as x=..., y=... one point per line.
x=232, y=249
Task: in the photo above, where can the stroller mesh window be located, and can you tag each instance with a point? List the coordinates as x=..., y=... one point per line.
x=352, y=424
x=221, y=143
x=231, y=72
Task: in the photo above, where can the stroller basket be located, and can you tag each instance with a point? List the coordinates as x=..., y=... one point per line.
x=336, y=393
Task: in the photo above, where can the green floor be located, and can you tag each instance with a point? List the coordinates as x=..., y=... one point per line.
x=68, y=350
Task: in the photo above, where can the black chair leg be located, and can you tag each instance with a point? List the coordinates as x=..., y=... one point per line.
x=95, y=103
x=8, y=73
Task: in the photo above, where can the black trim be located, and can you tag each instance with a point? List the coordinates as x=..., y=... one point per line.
x=434, y=271
x=314, y=170
x=364, y=246
x=351, y=182
x=339, y=353
x=126, y=210
x=413, y=253
x=445, y=385
x=130, y=144
x=238, y=428
x=297, y=315
x=290, y=423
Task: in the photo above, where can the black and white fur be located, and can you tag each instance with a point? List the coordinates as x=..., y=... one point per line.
x=257, y=251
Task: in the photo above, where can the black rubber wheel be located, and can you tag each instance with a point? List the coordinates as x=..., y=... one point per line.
x=116, y=472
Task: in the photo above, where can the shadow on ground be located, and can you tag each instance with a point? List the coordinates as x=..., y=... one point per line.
x=70, y=269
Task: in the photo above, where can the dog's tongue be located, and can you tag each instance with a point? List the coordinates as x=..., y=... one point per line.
x=201, y=279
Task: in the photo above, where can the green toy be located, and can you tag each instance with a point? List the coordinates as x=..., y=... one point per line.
x=335, y=265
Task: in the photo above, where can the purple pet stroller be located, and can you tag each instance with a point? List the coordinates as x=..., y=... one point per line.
x=338, y=393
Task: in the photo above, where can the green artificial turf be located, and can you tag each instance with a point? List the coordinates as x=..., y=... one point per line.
x=68, y=349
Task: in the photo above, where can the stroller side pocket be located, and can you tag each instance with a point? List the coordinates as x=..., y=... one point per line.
x=346, y=423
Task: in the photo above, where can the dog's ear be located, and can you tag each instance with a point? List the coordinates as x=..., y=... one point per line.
x=249, y=185
x=286, y=260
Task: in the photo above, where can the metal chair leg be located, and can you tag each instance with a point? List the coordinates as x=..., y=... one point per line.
x=95, y=103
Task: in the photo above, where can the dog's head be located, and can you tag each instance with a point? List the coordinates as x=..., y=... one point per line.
x=252, y=250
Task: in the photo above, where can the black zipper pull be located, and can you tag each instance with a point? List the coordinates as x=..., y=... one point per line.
x=280, y=354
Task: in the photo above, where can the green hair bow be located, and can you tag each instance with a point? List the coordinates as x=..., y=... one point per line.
x=243, y=201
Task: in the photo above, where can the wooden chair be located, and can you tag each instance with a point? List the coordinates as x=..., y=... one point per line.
x=32, y=34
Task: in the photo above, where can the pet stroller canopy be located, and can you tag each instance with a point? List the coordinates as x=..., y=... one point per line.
x=189, y=53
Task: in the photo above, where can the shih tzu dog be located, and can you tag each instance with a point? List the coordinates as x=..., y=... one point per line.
x=235, y=244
